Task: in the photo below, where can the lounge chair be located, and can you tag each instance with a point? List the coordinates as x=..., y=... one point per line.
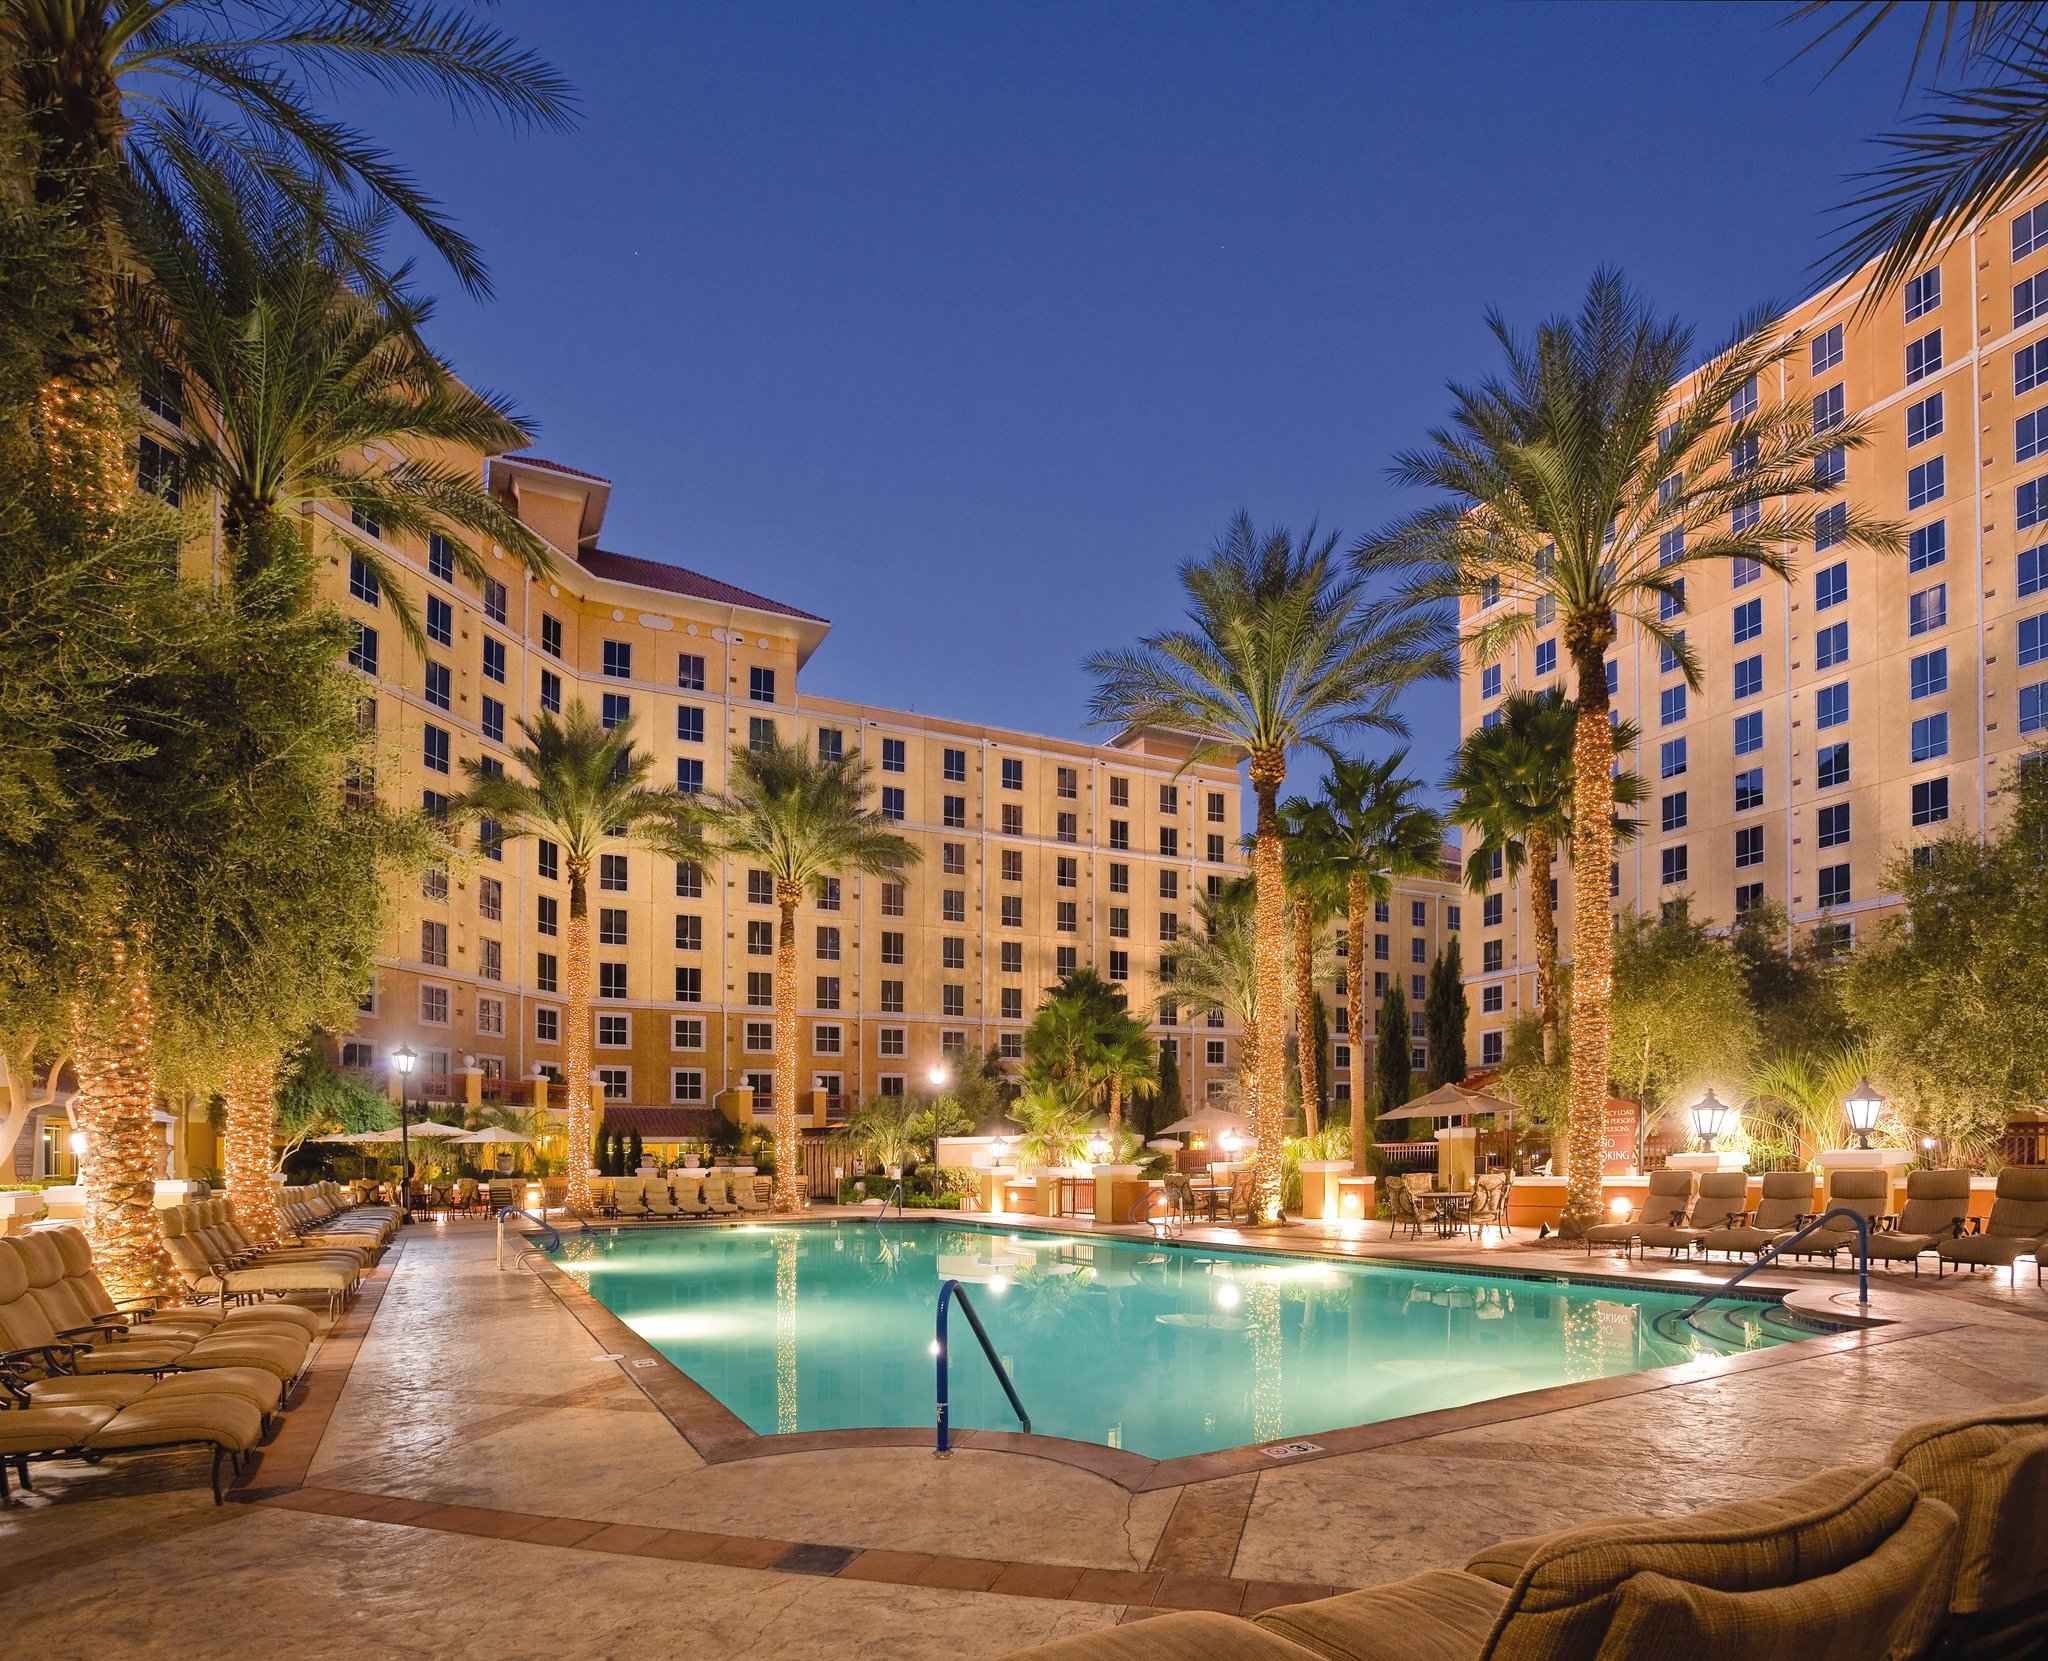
x=1867, y=1193
x=1723, y=1197
x=2017, y=1227
x=657, y=1199
x=690, y=1196
x=208, y=1272
x=149, y=1315
x=746, y=1192
x=1936, y=1204
x=1490, y=1205
x=161, y=1419
x=1848, y=1563
x=718, y=1193
x=1787, y=1196
x=1668, y=1200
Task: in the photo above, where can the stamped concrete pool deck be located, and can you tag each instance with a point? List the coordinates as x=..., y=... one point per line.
x=471, y=1470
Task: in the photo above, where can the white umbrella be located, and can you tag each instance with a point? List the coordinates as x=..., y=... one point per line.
x=357, y=1138
x=430, y=1127
x=1165, y=1144
x=1208, y=1121
x=496, y=1133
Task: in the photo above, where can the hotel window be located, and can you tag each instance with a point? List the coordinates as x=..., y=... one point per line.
x=1065, y=960
x=1831, y=705
x=831, y=745
x=2033, y=638
x=689, y=880
x=1012, y=865
x=686, y=1032
x=162, y=393
x=434, y=1005
x=1064, y=917
x=1749, y=677
x=1546, y=657
x=551, y=635
x=1169, y=842
x=828, y=894
x=1827, y=349
x=1013, y=911
x=1749, y=790
x=1927, y=546
x=617, y=710
x=1215, y=807
x=1672, y=863
x=1213, y=852
x=828, y=944
x=490, y=1017
x=1546, y=610
x=2030, y=232
x=1748, y=896
x=689, y=775
x=1382, y=948
x=1671, y=705
x=689, y=932
x=1013, y=818
x=1930, y=802
x=955, y=766
x=156, y=472
x=618, y=659
x=953, y=858
x=1923, y=293
x=759, y=1037
x=1489, y=593
x=547, y=1026
x=825, y=1037
x=490, y=899
x=1213, y=1051
x=892, y=801
x=2029, y=367
x=1012, y=1003
x=1489, y=958
x=1013, y=773
x=612, y=872
x=1830, y=586
x=1490, y=911
x=1749, y=846
x=1834, y=885
x=1671, y=758
x=1831, y=825
x=1120, y=834
x=892, y=755
x=1923, y=357
x=828, y=992
x=1613, y=677
x=953, y=1001
x=2034, y=707
x=1068, y=827
x=611, y=980
x=689, y=984
x=1119, y=922
x=2030, y=435
x=615, y=1032
x=1927, y=609
x=1749, y=620
x=1830, y=525
x=1119, y=791
x=890, y=1041
x=689, y=672
x=2033, y=571
x=2029, y=299
x=761, y=736
x=689, y=724
x=440, y=685
x=434, y=805
x=1169, y=885
x=892, y=997
x=760, y=939
x=1831, y=646
x=1066, y=871
x=547, y=860
x=892, y=946
x=1828, y=408
x=1928, y=673
x=1491, y=1000
x=1926, y=483
x=1069, y=784
x=551, y=692
x=763, y=1086
x=362, y=581
x=1169, y=798
x=435, y=749
x=954, y=812
x=1742, y=404
x=1831, y=767
x=1013, y=957
x=611, y=925
x=494, y=599
x=760, y=989
x=440, y=621
x=493, y=720
x=892, y=899
x=1119, y=966
x=761, y=684
x=1923, y=420
x=1418, y=952
x=494, y=659
x=1831, y=467
x=686, y=1084
x=1672, y=810
x=1489, y=681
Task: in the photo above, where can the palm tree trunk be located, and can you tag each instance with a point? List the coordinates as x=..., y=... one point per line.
x=249, y=1090
x=1364, y=1121
x=789, y=1188
x=1116, y=1099
x=576, y=1042
x=1269, y=985
x=1592, y=930
x=1540, y=849
x=1306, y=1052
x=114, y=1058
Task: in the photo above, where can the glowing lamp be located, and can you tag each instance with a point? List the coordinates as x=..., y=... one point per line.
x=941, y=1075
x=78, y=1144
x=1619, y=1207
x=1709, y=1119
x=404, y=1058
x=1228, y=1142
x=1863, y=1106
x=1098, y=1148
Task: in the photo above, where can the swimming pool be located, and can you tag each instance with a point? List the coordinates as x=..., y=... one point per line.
x=1165, y=1350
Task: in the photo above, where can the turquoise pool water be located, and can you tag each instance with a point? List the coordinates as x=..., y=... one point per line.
x=1165, y=1350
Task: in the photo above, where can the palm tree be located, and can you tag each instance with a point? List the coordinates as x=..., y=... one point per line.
x=108, y=89
x=1313, y=898
x=1084, y=1036
x=1366, y=830
x=1587, y=478
x=1127, y=1062
x=801, y=820
x=583, y=785
x=1513, y=784
x=1216, y=972
x=1055, y=1121
x=1282, y=651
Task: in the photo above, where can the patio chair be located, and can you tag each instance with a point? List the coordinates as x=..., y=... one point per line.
x=1787, y=1196
x=657, y=1199
x=148, y=1315
x=690, y=1196
x=93, y=1431
x=1489, y=1209
x=1867, y=1193
x=1723, y=1197
x=2017, y=1227
x=1407, y=1210
x=1668, y=1200
x=1936, y=1204
x=207, y=1272
x=746, y=1193
x=718, y=1193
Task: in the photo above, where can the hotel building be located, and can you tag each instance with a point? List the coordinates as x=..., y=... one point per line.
x=1874, y=701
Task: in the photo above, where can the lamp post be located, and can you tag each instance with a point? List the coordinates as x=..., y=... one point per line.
x=940, y=1075
x=404, y=1059
x=1864, y=1106
x=1709, y=1119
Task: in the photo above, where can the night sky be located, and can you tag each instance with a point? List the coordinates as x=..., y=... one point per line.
x=962, y=324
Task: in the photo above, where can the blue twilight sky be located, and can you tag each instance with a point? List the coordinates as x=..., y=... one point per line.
x=962, y=324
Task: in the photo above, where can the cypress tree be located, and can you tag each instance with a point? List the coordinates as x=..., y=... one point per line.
x=1392, y=1061
x=1166, y=1104
x=634, y=1152
x=1444, y=1016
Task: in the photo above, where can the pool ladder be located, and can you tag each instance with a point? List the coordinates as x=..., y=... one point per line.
x=1778, y=1248
x=554, y=1236
x=947, y=1293
x=895, y=1194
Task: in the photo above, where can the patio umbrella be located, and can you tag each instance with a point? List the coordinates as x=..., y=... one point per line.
x=1207, y=1121
x=431, y=1127
x=496, y=1133
x=1165, y=1144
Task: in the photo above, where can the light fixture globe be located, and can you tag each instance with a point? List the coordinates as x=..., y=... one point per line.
x=404, y=1058
x=1228, y=1142
x=1709, y=1119
x=1864, y=1105
x=940, y=1075
x=1098, y=1148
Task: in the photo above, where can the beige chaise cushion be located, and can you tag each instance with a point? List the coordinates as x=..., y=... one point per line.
x=1438, y=1616
x=1992, y=1469
x=49, y=1429
x=1668, y=1200
x=1169, y=1638
x=226, y=1421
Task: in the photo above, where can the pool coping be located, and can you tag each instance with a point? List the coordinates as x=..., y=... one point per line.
x=719, y=1436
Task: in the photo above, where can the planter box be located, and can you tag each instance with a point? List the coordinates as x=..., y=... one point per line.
x=1321, y=1198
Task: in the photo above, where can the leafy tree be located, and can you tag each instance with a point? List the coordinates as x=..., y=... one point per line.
x=1577, y=479
x=581, y=784
x=1529, y=1080
x=636, y=1152
x=1443, y=1016
x=1794, y=986
x=1215, y=973
x=1282, y=652
x=1315, y=894
x=981, y=1089
x=1513, y=782
x=1368, y=828
x=1797, y=1103
x=1396, y=1062
x=1682, y=1020
x=801, y=819
x=1055, y=1121
x=883, y=1130
x=315, y=1099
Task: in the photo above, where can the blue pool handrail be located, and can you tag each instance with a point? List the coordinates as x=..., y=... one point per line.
x=554, y=1235
x=947, y=1293
x=1777, y=1248
x=895, y=1194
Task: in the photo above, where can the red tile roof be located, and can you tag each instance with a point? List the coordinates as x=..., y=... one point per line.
x=663, y=1124
x=675, y=579
x=557, y=467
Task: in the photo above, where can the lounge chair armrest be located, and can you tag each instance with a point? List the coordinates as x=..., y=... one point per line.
x=86, y=1334
x=147, y=1301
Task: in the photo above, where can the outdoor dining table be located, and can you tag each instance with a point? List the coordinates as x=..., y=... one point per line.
x=1452, y=1205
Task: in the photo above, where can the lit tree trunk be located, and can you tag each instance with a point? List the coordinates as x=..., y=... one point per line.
x=1269, y=985
x=1592, y=926
x=249, y=1090
x=1539, y=846
x=1116, y=1099
x=1305, y=999
x=789, y=1188
x=115, y=1107
x=1364, y=1122
x=576, y=1041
